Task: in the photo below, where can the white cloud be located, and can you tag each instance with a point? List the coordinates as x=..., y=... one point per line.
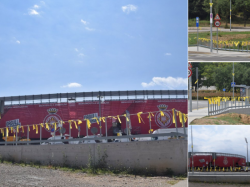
x=36, y=6
x=89, y=29
x=33, y=12
x=167, y=54
x=84, y=22
x=168, y=82
x=76, y=49
x=129, y=8
x=72, y=85
x=42, y=2
x=18, y=42
x=81, y=54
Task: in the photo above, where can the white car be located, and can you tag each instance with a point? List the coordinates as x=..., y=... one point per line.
x=66, y=136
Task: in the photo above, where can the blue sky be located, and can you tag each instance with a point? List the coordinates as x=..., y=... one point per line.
x=220, y=138
x=55, y=46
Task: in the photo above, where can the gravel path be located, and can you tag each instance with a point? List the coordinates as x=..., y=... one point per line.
x=15, y=175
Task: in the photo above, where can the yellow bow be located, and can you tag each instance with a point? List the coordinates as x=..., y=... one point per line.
x=79, y=122
x=88, y=123
x=139, y=117
x=173, y=116
x=36, y=129
x=119, y=118
x=126, y=116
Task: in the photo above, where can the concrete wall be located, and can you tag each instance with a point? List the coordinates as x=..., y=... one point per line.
x=157, y=155
x=228, y=179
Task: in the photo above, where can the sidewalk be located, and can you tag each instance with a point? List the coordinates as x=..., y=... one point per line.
x=203, y=50
x=196, y=114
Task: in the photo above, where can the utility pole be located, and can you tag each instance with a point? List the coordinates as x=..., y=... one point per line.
x=211, y=22
x=247, y=151
x=192, y=149
x=100, y=114
x=233, y=80
x=197, y=84
x=230, y=14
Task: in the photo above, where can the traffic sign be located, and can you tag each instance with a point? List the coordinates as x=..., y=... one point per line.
x=224, y=89
x=197, y=21
x=211, y=17
x=189, y=72
x=217, y=17
x=233, y=84
x=189, y=65
x=217, y=23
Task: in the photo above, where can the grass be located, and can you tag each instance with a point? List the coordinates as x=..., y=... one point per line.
x=231, y=118
x=232, y=36
x=236, y=22
x=98, y=171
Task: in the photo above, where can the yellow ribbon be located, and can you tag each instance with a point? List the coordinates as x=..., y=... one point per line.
x=139, y=117
x=151, y=130
x=11, y=128
x=180, y=117
x=126, y=117
x=41, y=124
x=162, y=113
x=119, y=118
x=149, y=115
x=36, y=129
x=33, y=127
x=97, y=121
x=47, y=126
x=88, y=123
x=22, y=129
x=17, y=128
x=29, y=128
x=7, y=132
x=173, y=116
x=55, y=127
x=79, y=122
x=75, y=125
x=102, y=118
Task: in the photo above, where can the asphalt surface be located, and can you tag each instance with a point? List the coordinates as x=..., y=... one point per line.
x=207, y=29
x=201, y=104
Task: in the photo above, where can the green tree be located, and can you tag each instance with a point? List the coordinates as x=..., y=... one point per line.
x=244, y=7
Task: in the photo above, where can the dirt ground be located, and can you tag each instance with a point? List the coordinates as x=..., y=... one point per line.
x=232, y=37
x=199, y=184
x=15, y=175
x=223, y=119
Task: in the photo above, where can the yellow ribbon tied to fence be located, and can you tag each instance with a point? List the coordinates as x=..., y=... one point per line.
x=79, y=122
x=162, y=113
x=41, y=124
x=151, y=130
x=75, y=125
x=139, y=117
x=17, y=128
x=88, y=123
x=173, y=116
x=33, y=127
x=11, y=129
x=2, y=131
x=126, y=117
x=22, y=129
x=149, y=115
x=28, y=128
x=180, y=117
x=119, y=118
x=47, y=126
x=102, y=119
x=97, y=121
x=36, y=129
x=70, y=124
x=7, y=132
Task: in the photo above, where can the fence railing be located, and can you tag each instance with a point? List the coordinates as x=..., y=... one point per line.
x=225, y=46
x=129, y=137
x=222, y=106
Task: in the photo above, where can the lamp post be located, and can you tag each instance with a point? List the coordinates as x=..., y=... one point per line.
x=247, y=151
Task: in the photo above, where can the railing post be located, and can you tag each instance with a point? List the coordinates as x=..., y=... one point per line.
x=16, y=135
x=28, y=134
x=176, y=123
x=6, y=136
x=208, y=107
x=183, y=124
x=70, y=128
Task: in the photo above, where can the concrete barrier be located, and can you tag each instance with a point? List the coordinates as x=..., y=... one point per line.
x=157, y=155
x=224, y=179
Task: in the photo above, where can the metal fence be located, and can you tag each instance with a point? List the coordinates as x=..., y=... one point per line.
x=222, y=106
x=225, y=47
x=81, y=140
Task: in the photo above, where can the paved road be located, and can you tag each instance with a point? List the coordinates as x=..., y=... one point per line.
x=201, y=104
x=204, y=55
x=207, y=29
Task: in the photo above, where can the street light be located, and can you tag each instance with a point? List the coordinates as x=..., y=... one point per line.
x=247, y=151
